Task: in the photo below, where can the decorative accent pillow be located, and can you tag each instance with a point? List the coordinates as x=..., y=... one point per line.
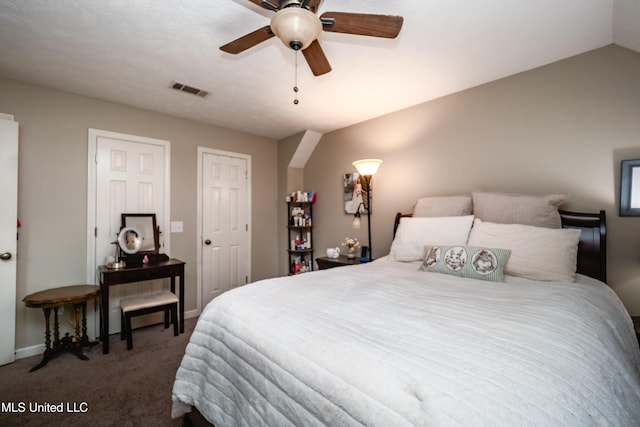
x=443, y=206
x=505, y=208
x=467, y=261
x=536, y=252
x=414, y=234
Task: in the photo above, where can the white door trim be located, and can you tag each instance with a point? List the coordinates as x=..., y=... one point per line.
x=165, y=227
x=9, y=138
x=201, y=152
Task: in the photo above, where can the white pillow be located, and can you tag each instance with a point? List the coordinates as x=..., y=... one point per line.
x=537, y=253
x=414, y=234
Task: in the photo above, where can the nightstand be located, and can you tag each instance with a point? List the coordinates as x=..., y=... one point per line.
x=636, y=325
x=341, y=261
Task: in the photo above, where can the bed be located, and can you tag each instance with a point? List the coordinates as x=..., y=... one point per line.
x=389, y=343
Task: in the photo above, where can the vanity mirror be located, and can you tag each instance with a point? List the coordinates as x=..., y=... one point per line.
x=137, y=241
x=147, y=230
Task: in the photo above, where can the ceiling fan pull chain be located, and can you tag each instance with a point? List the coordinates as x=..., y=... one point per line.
x=295, y=87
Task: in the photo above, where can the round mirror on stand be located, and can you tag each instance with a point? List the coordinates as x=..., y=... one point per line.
x=129, y=241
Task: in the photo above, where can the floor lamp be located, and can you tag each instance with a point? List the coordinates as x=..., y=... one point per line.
x=366, y=168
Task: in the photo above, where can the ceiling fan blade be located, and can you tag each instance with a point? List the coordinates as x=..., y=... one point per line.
x=247, y=41
x=316, y=59
x=312, y=5
x=363, y=24
x=266, y=4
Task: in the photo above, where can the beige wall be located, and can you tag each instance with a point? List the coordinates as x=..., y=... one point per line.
x=559, y=128
x=52, y=202
x=289, y=180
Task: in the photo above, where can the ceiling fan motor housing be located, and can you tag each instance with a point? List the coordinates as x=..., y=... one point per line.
x=290, y=3
x=296, y=27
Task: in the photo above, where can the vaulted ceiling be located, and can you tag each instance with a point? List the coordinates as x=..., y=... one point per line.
x=130, y=52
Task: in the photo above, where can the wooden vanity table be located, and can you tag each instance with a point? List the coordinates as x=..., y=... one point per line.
x=161, y=268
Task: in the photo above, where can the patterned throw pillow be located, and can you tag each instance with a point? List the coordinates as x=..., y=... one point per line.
x=467, y=261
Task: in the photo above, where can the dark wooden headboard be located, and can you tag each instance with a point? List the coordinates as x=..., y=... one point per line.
x=592, y=248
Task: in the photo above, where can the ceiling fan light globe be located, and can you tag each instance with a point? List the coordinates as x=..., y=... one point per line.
x=296, y=27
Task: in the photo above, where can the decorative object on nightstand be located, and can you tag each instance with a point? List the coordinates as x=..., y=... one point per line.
x=333, y=252
x=366, y=168
x=352, y=246
x=300, y=231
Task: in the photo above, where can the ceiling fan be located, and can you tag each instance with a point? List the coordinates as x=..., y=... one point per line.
x=295, y=23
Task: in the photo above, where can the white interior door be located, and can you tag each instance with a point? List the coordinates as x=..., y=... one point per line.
x=8, y=230
x=131, y=176
x=225, y=237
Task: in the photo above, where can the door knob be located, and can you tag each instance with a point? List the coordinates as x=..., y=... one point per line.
x=207, y=242
x=5, y=256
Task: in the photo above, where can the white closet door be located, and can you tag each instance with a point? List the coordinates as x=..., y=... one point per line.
x=225, y=224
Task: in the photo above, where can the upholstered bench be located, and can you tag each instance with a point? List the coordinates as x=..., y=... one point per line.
x=144, y=304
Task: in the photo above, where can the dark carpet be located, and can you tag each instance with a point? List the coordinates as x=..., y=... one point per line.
x=122, y=388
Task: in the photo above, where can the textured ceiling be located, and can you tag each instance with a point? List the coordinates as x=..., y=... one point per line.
x=130, y=52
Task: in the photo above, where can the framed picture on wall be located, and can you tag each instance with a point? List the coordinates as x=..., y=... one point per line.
x=630, y=188
x=354, y=193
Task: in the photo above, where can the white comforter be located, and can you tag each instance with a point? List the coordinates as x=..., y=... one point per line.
x=383, y=344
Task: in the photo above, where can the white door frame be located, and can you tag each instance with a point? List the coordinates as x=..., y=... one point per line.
x=201, y=152
x=10, y=140
x=92, y=143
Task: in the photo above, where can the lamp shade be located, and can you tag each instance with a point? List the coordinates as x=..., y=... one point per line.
x=367, y=166
x=296, y=27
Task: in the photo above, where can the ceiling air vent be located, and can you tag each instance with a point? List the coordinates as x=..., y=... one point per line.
x=189, y=89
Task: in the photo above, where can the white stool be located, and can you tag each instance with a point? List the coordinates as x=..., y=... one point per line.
x=144, y=304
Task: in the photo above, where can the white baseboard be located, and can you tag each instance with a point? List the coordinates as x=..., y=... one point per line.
x=33, y=350
x=191, y=313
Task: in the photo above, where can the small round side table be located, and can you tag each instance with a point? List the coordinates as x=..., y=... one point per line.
x=76, y=296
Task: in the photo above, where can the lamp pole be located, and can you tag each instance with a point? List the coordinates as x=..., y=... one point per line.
x=367, y=181
x=366, y=168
